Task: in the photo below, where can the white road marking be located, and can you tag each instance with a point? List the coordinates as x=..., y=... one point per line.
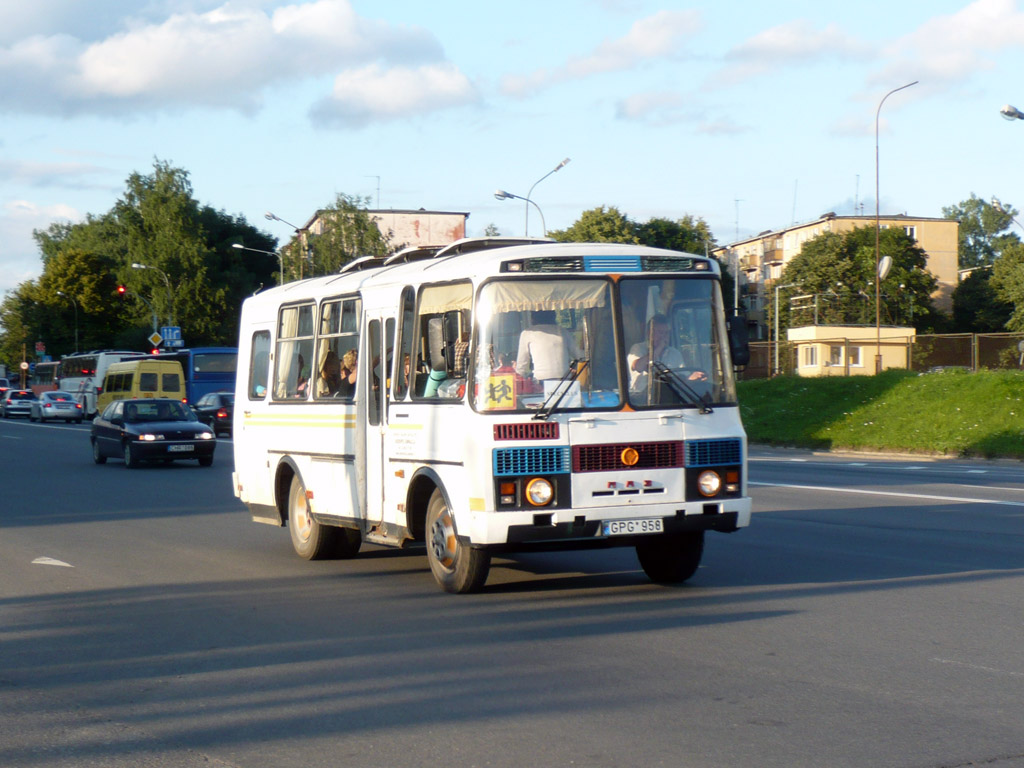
x=890, y=493
x=51, y=561
x=978, y=667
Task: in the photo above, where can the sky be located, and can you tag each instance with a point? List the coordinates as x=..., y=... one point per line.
x=748, y=115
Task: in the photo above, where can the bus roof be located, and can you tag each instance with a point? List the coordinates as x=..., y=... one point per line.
x=485, y=257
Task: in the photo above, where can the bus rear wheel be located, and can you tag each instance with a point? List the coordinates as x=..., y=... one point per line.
x=457, y=568
x=671, y=559
x=312, y=540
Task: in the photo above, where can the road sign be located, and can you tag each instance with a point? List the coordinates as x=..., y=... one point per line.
x=173, y=343
x=155, y=339
x=171, y=332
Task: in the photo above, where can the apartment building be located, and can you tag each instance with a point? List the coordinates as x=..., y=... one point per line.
x=761, y=259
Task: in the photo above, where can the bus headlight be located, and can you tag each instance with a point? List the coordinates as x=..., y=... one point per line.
x=709, y=483
x=539, y=492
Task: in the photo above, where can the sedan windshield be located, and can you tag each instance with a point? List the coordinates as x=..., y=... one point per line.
x=165, y=410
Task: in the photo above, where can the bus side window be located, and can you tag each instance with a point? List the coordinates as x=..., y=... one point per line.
x=371, y=373
x=294, y=358
x=259, y=365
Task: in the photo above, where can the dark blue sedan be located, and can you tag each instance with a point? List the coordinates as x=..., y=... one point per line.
x=150, y=430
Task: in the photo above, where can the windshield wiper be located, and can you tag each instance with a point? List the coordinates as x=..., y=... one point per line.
x=562, y=388
x=683, y=389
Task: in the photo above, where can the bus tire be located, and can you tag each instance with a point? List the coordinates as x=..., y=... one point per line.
x=671, y=559
x=312, y=540
x=457, y=568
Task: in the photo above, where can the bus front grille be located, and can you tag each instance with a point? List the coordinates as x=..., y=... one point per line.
x=546, y=460
x=618, y=456
x=711, y=453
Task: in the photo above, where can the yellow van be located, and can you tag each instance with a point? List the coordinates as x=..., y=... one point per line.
x=132, y=379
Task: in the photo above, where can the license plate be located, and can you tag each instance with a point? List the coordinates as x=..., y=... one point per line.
x=632, y=527
x=180, y=448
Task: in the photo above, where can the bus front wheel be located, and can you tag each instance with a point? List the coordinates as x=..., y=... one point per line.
x=312, y=540
x=671, y=559
x=457, y=567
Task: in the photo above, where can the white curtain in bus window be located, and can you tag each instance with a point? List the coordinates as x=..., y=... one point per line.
x=294, y=357
x=337, y=344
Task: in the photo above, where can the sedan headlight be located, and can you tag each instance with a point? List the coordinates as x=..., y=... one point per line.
x=205, y=436
x=539, y=492
x=709, y=483
x=150, y=437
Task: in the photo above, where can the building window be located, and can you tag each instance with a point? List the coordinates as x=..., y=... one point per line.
x=810, y=356
x=854, y=356
x=835, y=355
x=911, y=233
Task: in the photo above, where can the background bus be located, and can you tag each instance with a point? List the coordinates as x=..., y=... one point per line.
x=82, y=375
x=206, y=369
x=44, y=377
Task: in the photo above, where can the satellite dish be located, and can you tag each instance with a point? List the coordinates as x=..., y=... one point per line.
x=883, y=267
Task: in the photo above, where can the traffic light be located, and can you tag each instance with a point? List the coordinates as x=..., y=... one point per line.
x=121, y=290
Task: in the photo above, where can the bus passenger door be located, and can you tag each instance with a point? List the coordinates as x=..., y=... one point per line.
x=375, y=385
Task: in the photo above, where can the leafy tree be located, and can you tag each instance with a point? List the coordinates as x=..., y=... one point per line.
x=976, y=306
x=834, y=275
x=349, y=232
x=599, y=225
x=686, y=234
x=983, y=234
x=1008, y=283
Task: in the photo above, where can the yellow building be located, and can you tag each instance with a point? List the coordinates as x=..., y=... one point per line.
x=848, y=350
x=761, y=259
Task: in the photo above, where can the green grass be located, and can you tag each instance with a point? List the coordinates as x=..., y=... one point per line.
x=954, y=413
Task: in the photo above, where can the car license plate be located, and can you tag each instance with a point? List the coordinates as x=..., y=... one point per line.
x=180, y=448
x=631, y=527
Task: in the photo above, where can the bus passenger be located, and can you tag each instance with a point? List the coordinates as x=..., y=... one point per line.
x=330, y=375
x=545, y=348
x=349, y=362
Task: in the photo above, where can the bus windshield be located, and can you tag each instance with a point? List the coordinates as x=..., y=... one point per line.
x=553, y=341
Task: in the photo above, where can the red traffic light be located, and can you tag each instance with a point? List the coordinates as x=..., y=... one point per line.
x=122, y=290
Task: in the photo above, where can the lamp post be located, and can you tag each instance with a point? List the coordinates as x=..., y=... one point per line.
x=501, y=194
x=777, y=289
x=75, y=305
x=302, y=240
x=1010, y=112
x=878, y=229
x=167, y=282
x=280, y=260
x=999, y=208
x=529, y=195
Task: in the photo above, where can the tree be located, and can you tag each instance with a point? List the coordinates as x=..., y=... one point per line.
x=1008, y=283
x=686, y=234
x=599, y=225
x=983, y=228
x=976, y=306
x=834, y=277
x=349, y=232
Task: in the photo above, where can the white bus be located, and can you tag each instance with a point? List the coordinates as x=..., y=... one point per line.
x=82, y=375
x=505, y=396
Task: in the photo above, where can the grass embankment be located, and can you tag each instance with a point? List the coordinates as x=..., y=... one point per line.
x=954, y=413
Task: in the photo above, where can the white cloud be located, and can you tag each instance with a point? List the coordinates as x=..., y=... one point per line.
x=655, y=37
x=66, y=175
x=362, y=95
x=224, y=56
x=947, y=50
x=19, y=258
x=793, y=43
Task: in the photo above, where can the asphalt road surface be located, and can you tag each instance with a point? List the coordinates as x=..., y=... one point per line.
x=872, y=615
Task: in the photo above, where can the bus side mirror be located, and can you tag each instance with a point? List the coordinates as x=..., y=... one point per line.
x=739, y=340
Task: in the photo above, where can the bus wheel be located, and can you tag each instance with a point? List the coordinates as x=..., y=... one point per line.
x=671, y=559
x=311, y=540
x=456, y=567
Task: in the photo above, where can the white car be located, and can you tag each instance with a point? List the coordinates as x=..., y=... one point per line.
x=57, y=406
x=17, y=402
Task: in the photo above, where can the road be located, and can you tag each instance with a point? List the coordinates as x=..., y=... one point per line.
x=872, y=615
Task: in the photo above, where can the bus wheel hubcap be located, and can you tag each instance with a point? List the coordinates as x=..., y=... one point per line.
x=442, y=540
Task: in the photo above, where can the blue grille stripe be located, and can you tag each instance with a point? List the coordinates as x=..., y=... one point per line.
x=710, y=453
x=546, y=460
x=612, y=264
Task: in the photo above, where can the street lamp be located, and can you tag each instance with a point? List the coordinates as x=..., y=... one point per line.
x=167, y=282
x=280, y=261
x=1010, y=112
x=501, y=194
x=998, y=205
x=302, y=240
x=75, y=305
x=529, y=195
x=878, y=229
x=777, y=289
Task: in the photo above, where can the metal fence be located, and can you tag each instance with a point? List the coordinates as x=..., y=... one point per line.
x=925, y=352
